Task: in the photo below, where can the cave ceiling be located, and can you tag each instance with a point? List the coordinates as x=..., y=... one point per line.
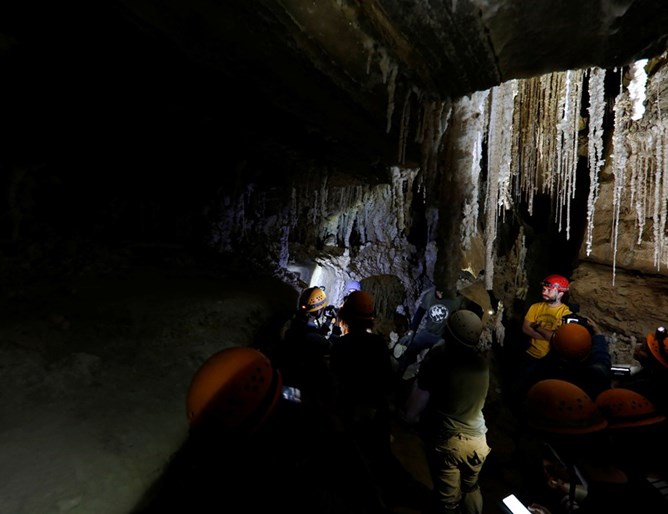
x=320, y=71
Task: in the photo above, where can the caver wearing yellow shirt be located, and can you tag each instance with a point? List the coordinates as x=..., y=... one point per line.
x=543, y=318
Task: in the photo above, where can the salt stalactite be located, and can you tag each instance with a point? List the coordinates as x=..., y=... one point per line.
x=637, y=88
x=638, y=165
x=421, y=118
x=596, y=111
x=492, y=190
x=549, y=148
x=389, y=71
x=660, y=186
x=528, y=101
x=471, y=110
x=541, y=103
x=521, y=282
x=619, y=161
x=431, y=250
x=509, y=90
x=567, y=146
x=370, y=46
x=498, y=164
x=547, y=141
x=404, y=125
x=436, y=117
x=662, y=158
x=576, y=105
x=402, y=194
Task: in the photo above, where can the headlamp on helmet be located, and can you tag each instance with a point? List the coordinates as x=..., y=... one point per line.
x=556, y=282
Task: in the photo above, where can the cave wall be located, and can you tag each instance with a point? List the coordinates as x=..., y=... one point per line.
x=213, y=163
x=621, y=276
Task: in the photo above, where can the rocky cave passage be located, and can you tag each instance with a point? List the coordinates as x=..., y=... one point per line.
x=172, y=176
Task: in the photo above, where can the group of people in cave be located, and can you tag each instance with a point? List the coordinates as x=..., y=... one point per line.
x=353, y=378
x=598, y=433
x=323, y=398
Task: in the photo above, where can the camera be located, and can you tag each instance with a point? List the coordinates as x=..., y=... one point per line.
x=580, y=320
x=574, y=318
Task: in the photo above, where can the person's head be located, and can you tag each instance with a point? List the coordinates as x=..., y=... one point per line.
x=465, y=327
x=571, y=343
x=234, y=391
x=312, y=301
x=554, y=287
x=358, y=311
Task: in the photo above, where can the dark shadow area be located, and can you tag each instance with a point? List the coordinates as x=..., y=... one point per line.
x=295, y=463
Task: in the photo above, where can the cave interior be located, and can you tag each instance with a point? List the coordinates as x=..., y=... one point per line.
x=173, y=175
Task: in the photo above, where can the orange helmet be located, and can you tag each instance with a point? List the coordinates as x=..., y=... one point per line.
x=624, y=408
x=560, y=407
x=312, y=299
x=571, y=342
x=235, y=389
x=358, y=307
x=658, y=347
x=557, y=281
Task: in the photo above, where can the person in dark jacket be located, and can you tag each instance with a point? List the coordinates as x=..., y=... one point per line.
x=361, y=365
x=302, y=353
x=428, y=323
x=360, y=362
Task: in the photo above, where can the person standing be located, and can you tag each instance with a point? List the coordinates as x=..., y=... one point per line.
x=436, y=305
x=302, y=353
x=362, y=369
x=456, y=374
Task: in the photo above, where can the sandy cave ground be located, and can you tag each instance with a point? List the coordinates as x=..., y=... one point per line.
x=94, y=373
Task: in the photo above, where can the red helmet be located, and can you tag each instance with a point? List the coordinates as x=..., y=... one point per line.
x=556, y=281
x=234, y=390
x=624, y=408
x=358, y=306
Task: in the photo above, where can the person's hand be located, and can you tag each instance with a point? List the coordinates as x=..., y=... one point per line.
x=594, y=326
x=537, y=328
x=535, y=508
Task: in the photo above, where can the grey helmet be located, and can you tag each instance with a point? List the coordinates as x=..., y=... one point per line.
x=466, y=327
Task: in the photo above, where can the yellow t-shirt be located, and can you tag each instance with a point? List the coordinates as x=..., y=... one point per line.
x=548, y=318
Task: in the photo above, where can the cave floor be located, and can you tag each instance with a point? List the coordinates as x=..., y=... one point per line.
x=95, y=369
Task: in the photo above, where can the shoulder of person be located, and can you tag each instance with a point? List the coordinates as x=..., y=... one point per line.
x=438, y=351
